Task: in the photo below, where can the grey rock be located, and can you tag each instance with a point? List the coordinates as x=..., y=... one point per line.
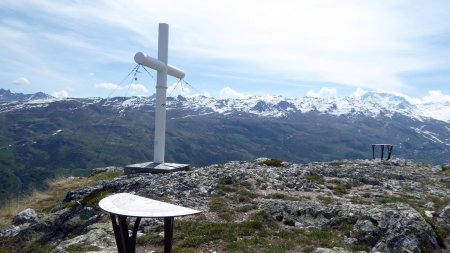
x=350, y=240
x=398, y=228
x=27, y=215
x=305, y=214
x=333, y=250
x=365, y=226
x=429, y=205
x=437, y=168
x=100, y=236
x=10, y=231
x=444, y=216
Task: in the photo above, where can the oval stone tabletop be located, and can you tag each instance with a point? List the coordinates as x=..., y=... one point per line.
x=132, y=205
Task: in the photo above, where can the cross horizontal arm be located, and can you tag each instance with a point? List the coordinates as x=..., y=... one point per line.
x=141, y=58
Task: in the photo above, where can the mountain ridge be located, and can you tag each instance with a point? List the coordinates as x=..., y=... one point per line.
x=8, y=96
x=369, y=104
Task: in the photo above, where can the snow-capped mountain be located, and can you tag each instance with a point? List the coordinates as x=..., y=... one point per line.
x=370, y=104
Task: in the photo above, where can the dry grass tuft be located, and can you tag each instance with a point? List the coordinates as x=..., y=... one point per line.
x=51, y=199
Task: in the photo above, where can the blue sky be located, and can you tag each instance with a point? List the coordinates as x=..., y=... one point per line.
x=229, y=48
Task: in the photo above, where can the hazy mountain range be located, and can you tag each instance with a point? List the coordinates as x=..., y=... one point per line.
x=42, y=136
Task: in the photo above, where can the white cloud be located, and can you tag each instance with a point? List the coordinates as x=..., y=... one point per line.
x=359, y=92
x=138, y=89
x=21, y=81
x=60, y=94
x=436, y=96
x=108, y=86
x=323, y=92
x=176, y=89
x=133, y=88
x=228, y=92
x=91, y=74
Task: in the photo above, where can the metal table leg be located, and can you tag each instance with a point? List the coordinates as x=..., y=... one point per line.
x=389, y=152
x=125, y=243
x=168, y=234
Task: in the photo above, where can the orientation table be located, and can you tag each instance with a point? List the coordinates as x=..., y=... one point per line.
x=123, y=205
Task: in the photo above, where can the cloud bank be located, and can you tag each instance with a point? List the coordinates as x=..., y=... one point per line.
x=60, y=94
x=323, y=92
x=21, y=81
x=228, y=92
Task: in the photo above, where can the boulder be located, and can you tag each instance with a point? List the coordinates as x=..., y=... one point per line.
x=27, y=215
x=444, y=216
x=10, y=231
x=395, y=228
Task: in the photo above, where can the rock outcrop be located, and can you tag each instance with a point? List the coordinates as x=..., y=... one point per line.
x=370, y=206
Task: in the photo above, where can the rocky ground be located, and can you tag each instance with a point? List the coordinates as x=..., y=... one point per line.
x=262, y=206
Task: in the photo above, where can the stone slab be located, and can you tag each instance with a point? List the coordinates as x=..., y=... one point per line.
x=154, y=168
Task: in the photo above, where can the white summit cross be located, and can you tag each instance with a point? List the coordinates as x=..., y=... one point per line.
x=163, y=69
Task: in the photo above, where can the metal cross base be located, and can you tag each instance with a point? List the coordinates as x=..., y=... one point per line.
x=154, y=168
x=127, y=244
x=389, y=149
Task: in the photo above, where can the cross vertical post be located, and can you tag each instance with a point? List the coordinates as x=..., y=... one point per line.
x=161, y=90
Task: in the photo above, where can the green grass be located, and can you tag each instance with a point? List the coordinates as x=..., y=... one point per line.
x=220, y=206
x=244, y=196
x=439, y=203
x=36, y=247
x=359, y=200
x=283, y=196
x=316, y=179
x=80, y=247
x=150, y=238
x=260, y=233
x=341, y=189
x=196, y=232
x=246, y=208
x=272, y=162
x=106, y=176
x=326, y=200
x=336, y=163
x=94, y=197
x=366, y=195
x=415, y=203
